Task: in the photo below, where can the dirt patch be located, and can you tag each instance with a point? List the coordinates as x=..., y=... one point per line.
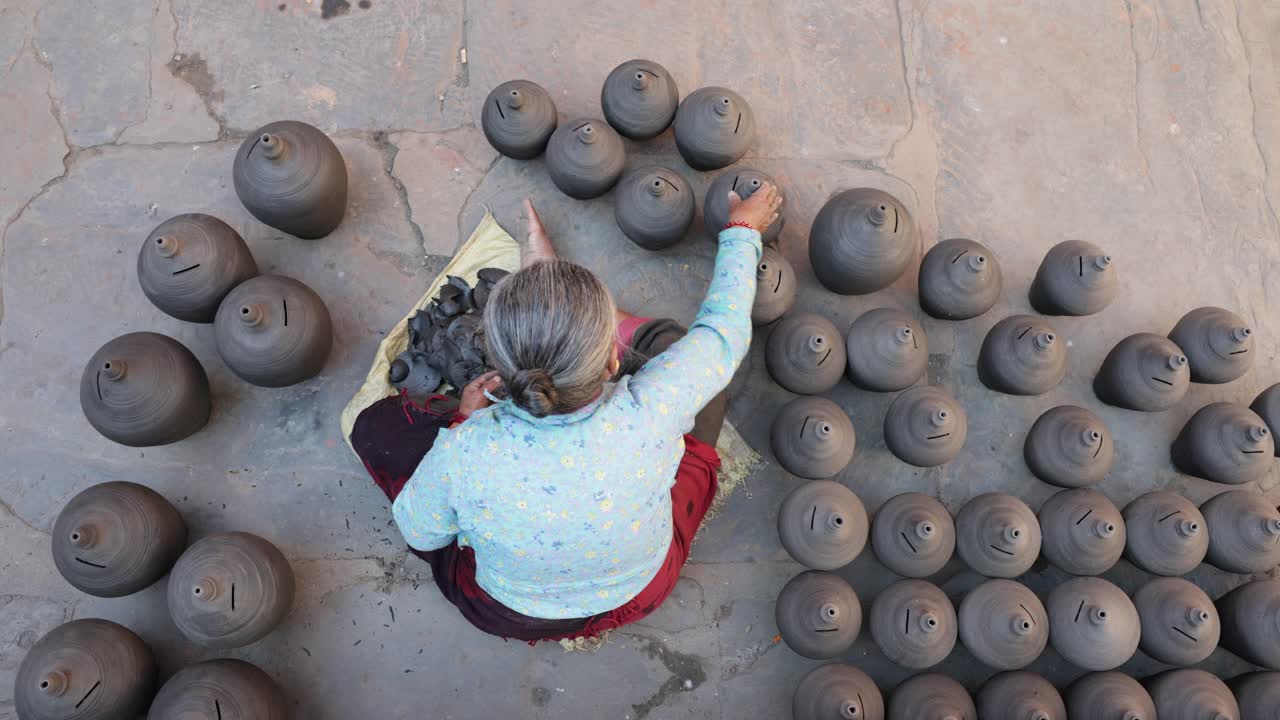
x=686, y=671
x=334, y=8
x=193, y=70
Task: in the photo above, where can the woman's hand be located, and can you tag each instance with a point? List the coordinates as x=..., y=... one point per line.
x=759, y=211
x=473, y=395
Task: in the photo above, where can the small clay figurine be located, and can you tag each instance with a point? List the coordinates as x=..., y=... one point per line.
x=931, y=696
x=219, y=690
x=1218, y=344
x=925, y=426
x=1075, y=278
x=1143, y=372
x=639, y=99
x=1092, y=623
x=273, y=331
x=1191, y=694
x=413, y=373
x=1267, y=406
x=913, y=623
x=887, y=350
x=585, y=158
x=518, y=119
x=1244, y=532
x=1251, y=622
x=1225, y=442
x=997, y=535
x=861, y=241
x=1020, y=696
x=229, y=590
x=775, y=287
x=1003, y=624
x=913, y=535
x=1109, y=695
x=1166, y=533
x=1179, y=623
x=291, y=176
x=714, y=127
x=959, y=279
x=1258, y=694
x=812, y=438
x=818, y=615
x=743, y=181
x=1083, y=531
x=837, y=692
x=85, y=670
x=143, y=389
x=1022, y=355
x=654, y=206
x=823, y=525
x=804, y=354
x=190, y=262
x=1069, y=446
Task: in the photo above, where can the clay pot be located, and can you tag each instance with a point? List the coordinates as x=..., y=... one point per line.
x=1143, y=372
x=143, y=389
x=639, y=99
x=1244, y=532
x=925, y=426
x=913, y=623
x=291, y=176
x=997, y=535
x=887, y=350
x=1003, y=624
x=1179, y=623
x=837, y=692
x=913, y=535
x=273, y=331
x=1069, y=446
x=714, y=127
x=1092, y=623
x=1083, y=531
x=229, y=590
x=585, y=158
x=1109, y=696
x=1251, y=622
x=518, y=119
x=654, y=206
x=1189, y=694
x=1020, y=696
x=220, y=690
x=1267, y=406
x=812, y=438
x=117, y=538
x=775, y=288
x=86, y=670
x=1075, y=278
x=1225, y=442
x=743, y=181
x=818, y=615
x=1218, y=344
x=823, y=525
x=1166, y=533
x=1022, y=355
x=861, y=241
x=959, y=279
x=190, y=262
x=804, y=354
x=1258, y=694
x=931, y=696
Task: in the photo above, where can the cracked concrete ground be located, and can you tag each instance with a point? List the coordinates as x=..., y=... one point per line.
x=1152, y=128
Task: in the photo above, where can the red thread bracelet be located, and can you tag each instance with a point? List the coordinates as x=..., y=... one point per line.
x=739, y=223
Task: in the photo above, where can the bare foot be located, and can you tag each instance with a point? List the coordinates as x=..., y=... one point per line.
x=538, y=246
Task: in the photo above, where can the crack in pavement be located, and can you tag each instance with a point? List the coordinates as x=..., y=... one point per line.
x=1137, y=97
x=1253, y=122
x=8, y=510
x=389, y=150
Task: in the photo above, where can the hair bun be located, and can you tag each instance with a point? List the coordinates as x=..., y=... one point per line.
x=534, y=391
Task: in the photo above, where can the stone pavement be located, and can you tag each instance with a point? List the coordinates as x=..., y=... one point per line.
x=1152, y=128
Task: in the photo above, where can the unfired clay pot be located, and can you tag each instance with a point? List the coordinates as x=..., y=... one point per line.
x=585, y=158
x=144, y=389
x=743, y=181
x=1020, y=696
x=1218, y=344
x=220, y=690
x=1144, y=372
x=1075, y=278
x=291, y=176
x=997, y=535
x=1225, y=442
x=1244, y=532
x=959, y=279
x=925, y=426
x=887, y=350
x=1179, y=623
x=1190, y=694
x=1003, y=624
x=1166, y=534
x=190, y=262
x=518, y=119
x=931, y=696
x=639, y=99
x=1069, y=446
x=654, y=206
x=1251, y=622
x=913, y=535
x=85, y=670
x=273, y=331
x=229, y=590
x=804, y=353
x=1258, y=694
x=775, y=287
x=714, y=126
x=1267, y=405
x=823, y=525
x=812, y=438
x=1022, y=355
x=1083, y=531
x=117, y=538
x=913, y=623
x=1109, y=696
x=818, y=615
x=1092, y=623
x=837, y=692
x=861, y=241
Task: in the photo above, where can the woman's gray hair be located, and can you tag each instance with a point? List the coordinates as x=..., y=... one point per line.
x=550, y=331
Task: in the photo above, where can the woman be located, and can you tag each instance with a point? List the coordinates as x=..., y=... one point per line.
x=568, y=508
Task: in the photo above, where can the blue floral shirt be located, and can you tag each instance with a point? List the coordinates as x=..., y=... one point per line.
x=570, y=515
